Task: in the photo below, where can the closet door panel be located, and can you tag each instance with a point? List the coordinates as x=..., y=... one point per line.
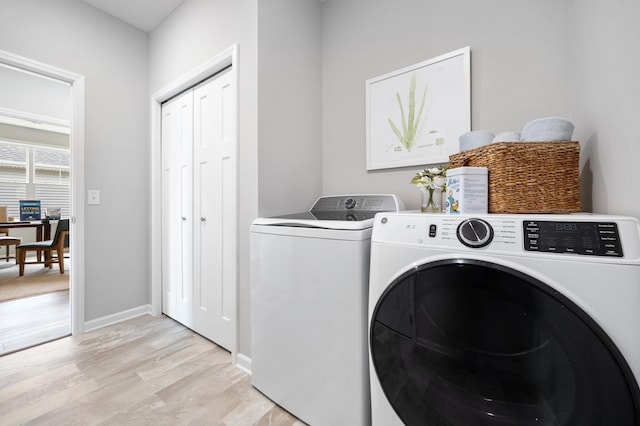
x=228, y=209
x=177, y=202
x=215, y=207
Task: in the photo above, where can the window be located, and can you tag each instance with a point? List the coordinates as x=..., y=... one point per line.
x=34, y=172
x=51, y=178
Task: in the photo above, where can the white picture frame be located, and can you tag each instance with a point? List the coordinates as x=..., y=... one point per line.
x=415, y=115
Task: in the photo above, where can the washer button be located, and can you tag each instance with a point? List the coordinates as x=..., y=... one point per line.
x=432, y=230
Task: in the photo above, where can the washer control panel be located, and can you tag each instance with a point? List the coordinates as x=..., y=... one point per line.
x=369, y=203
x=587, y=238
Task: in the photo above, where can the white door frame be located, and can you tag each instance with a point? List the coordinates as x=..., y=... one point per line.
x=76, y=144
x=228, y=57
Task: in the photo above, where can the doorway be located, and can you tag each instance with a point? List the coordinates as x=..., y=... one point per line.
x=75, y=303
x=34, y=176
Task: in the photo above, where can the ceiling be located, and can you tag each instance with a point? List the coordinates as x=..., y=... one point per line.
x=142, y=14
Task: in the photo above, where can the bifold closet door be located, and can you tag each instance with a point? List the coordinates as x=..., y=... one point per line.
x=200, y=209
x=177, y=208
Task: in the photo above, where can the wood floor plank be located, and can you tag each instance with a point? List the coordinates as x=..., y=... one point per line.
x=145, y=371
x=33, y=320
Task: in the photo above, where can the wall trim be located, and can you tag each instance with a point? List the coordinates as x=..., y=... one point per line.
x=76, y=144
x=117, y=317
x=228, y=57
x=243, y=362
x=34, y=121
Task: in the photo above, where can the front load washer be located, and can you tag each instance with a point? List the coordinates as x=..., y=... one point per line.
x=309, y=293
x=504, y=320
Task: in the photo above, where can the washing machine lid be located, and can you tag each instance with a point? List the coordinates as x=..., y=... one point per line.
x=347, y=212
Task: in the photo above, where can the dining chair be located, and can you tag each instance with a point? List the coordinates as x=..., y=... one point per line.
x=56, y=245
x=7, y=242
x=3, y=218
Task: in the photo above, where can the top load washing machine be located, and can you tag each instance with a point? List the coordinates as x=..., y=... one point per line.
x=505, y=320
x=309, y=293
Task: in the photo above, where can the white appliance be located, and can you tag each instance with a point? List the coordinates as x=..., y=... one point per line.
x=504, y=320
x=309, y=293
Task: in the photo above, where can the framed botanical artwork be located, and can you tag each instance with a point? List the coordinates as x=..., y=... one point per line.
x=416, y=115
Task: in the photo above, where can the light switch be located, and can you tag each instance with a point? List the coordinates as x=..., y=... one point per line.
x=93, y=197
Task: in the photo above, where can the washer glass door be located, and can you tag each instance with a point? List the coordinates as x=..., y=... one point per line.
x=465, y=342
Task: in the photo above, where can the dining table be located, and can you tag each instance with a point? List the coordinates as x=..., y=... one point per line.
x=42, y=228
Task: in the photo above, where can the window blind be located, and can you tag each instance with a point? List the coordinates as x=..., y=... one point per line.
x=13, y=163
x=51, y=166
x=51, y=177
x=52, y=196
x=10, y=195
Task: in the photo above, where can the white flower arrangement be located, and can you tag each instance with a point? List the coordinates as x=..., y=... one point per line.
x=432, y=178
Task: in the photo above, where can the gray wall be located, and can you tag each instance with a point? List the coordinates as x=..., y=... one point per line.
x=112, y=56
x=605, y=101
x=519, y=68
x=289, y=105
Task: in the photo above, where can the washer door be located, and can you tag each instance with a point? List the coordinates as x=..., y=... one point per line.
x=466, y=342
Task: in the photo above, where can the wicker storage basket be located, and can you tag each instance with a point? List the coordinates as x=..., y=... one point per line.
x=528, y=177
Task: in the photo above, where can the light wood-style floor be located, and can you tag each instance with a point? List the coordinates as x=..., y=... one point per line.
x=33, y=320
x=145, y=371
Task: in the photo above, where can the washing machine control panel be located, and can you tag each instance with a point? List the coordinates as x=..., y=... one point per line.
x=587, y=238
x=366, y=203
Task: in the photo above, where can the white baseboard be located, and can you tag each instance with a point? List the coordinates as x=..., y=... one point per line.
x=117, y=317
x=244, y=363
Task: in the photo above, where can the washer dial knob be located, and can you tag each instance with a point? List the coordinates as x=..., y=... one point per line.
x=474, y=233
x=350, y=203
